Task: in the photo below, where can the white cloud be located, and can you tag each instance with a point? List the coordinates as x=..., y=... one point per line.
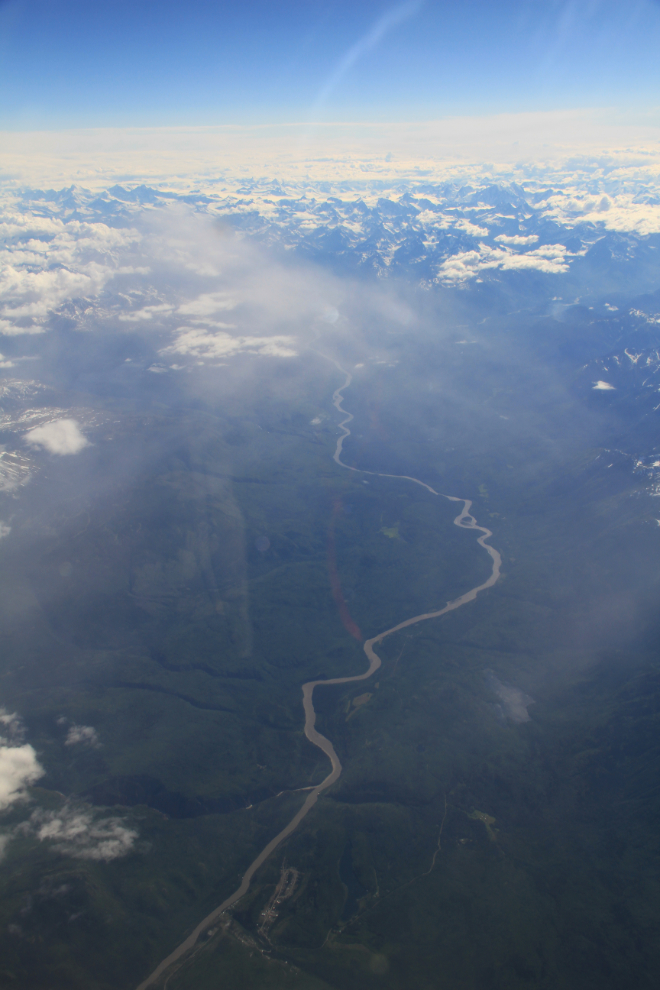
x=147, y=313
x=76, y=831
x=603, y=386
x=517, y=240
x=63, y=436
x=82, y=734
x=9, y=329
x=14, y=329
x=11, y=725
x=208, y=303
x=19, y=768
x=551, y=259
x=34, y=294
x=46, y=262
x=471, y=228
x=199, y=343
x=5, y=529
x=438, y=221
x=622, y=213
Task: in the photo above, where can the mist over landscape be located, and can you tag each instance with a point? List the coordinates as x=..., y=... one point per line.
x=370, y=400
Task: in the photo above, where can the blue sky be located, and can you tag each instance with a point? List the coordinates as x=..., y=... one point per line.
x=66, y=63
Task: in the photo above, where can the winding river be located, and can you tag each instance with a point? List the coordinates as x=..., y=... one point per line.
x=466, y=521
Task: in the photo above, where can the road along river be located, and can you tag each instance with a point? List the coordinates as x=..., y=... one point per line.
x=466, y=521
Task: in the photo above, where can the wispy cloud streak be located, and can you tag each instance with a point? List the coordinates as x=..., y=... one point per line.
x=390, y=19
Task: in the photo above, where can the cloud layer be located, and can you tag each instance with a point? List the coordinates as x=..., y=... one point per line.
x=140, y=260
